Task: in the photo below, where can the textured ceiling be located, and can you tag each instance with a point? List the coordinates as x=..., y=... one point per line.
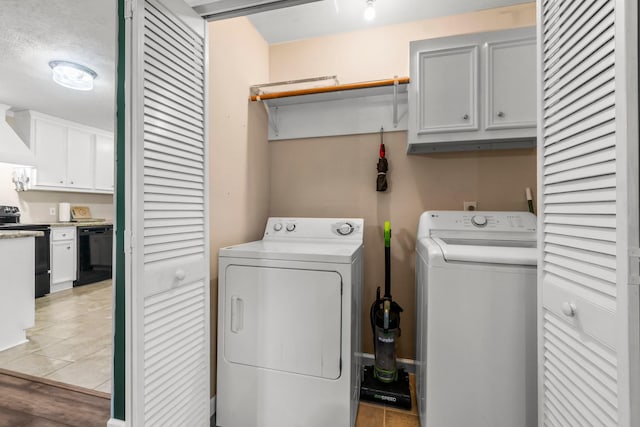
x=34, y=32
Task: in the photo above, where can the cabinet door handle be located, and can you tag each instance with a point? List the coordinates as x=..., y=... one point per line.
x=61, y=181
x=68, y=247
x=71, y=182
x=500, y=114
x=465, y=117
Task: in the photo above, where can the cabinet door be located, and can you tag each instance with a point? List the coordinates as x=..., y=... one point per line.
x=63, y=263
x=51, y=153
x=104, y=163
x=80, y=159
x=447, y=90
x=511, y=84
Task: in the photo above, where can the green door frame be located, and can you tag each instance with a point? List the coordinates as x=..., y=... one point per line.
x=118, y=398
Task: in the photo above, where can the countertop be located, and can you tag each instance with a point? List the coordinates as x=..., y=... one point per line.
x=73, y=224
x=80, y=224
x=17, y=234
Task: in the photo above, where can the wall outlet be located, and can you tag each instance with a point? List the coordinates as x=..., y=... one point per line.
x=52, y=211
x=470, y=206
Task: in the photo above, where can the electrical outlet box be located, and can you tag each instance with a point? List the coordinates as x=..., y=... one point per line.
x=52, y=211
x=470, y=206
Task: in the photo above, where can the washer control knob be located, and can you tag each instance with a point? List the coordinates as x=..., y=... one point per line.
x=291, y=227
x=277, y=226
x=345, y=229
x=479, y=220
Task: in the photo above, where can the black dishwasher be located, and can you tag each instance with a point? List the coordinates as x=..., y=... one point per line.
x=95, y=254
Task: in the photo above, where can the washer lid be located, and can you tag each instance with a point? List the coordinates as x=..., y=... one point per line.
x=488, y=251
x=323, y=250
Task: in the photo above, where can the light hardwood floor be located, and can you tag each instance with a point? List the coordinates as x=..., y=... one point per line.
x=71, y=341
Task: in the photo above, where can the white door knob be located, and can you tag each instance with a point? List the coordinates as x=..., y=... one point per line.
x=569, y=309
x=180, y=274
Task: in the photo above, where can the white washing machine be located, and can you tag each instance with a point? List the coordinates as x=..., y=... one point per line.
x=289, y=328
x=476, y=319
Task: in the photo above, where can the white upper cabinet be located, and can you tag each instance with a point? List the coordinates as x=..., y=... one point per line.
x=69, y=156
x=451, y=75
x=473, y=92
x=79, y=152
x=510, y=81
x=104, y=162
x=50, y=148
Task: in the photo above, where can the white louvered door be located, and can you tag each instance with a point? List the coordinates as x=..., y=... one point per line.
x=588, y=219
x=168, y=200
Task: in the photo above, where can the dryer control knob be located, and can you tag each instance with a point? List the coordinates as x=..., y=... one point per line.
x=479, y=220
x=277, y=226
x=291, y=227
x=345, y=229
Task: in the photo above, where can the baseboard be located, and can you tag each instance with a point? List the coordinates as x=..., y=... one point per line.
x=408, y=365
x=212, y=407
x=116, y=423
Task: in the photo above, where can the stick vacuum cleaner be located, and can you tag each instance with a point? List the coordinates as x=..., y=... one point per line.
x=384, y=382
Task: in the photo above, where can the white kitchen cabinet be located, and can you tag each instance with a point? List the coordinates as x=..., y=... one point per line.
x=80, y=147
x=50, y=149
x=473, y=92
x=17, y=290
x=63, y=258
x=104, y=161
x=69, y=156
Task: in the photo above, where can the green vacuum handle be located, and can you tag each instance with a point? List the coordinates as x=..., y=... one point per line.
x=387, y=234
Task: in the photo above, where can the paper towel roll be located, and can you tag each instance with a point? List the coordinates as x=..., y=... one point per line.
x=64, y=212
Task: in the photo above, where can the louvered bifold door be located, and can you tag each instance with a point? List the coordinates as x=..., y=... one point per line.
x=169, y=239
x=583, y=356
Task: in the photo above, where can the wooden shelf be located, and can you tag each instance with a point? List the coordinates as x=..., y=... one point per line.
x=346, y=109
x=330, y=89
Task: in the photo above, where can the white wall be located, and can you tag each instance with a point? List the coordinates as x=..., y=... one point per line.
x=34, y=205
x=239, y=153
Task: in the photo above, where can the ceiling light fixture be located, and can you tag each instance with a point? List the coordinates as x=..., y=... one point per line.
x=369, y=11
x=72, y=75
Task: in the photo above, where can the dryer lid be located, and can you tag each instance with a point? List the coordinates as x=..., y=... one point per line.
x=488, y=251
x=302, y=250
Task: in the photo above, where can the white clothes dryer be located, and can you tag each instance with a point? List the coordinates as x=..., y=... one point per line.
x=289, y=326
x=476, y=319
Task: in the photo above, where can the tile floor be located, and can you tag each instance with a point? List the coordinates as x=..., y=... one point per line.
x=374, y=415
x=71, y=339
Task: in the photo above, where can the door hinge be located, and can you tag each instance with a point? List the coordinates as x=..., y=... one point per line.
x=128, y=9
x=634, y=279
x=129, y=242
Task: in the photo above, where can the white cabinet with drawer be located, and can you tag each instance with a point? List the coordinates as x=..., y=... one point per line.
x=63, y=258
x=473, y=92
